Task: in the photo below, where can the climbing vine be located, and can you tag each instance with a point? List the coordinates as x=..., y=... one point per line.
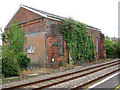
x=79, y=44
x=90, y=48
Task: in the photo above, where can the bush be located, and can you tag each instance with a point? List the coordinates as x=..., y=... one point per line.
x=13, y=47
x=23, y=61
x=118, y=50
x=11, y=63
x=9, y=69
x=10, y=66
x=60, y=64
x=112, y=48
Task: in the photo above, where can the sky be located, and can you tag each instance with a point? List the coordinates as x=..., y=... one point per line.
x=102, y=14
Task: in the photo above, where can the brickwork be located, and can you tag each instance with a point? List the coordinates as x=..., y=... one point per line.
x=52, y=47
x=42, y=33
x=101, y=47
x=23, y=15
x=38, y=41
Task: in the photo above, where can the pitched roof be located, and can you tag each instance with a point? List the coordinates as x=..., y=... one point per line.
x=50, y=15
x=45, y=13
x=113, y=39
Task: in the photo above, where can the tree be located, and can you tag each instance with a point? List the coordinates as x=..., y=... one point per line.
x=118, y=50
x=110, y=50
x=116, y=46
x=13, y=47
x=14, y=37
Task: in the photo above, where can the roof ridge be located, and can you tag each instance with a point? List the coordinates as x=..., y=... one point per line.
x=54, y=16
x=46, y=13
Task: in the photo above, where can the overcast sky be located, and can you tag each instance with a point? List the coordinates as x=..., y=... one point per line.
x=102, y=14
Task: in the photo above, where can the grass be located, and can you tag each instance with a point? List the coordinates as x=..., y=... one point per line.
x=36, y=70
x=64, y=67
x=25, y=74
x=45, y=71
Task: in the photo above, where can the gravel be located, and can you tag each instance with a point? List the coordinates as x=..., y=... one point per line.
x=79, y=81
x=47, y=76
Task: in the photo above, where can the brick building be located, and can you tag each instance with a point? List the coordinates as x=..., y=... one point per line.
x=114, y=39
x=44, y=40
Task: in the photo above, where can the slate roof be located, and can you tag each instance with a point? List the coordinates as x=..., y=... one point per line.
x=113, y=39
x=54, y=16
x=49, y=15
x=46, y=13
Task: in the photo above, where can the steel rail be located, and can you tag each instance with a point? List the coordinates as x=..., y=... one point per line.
x=55, y=77
x=94, y=80
x=65, y=80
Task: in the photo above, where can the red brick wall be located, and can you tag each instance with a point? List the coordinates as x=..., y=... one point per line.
x=23, y=15
x=35, y=31
x=35, y=26
x=44, y=25
x=101, y=49
x=38, y=41
x=53, y=39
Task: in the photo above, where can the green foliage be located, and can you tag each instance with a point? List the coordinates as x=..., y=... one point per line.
x=10, y=66
x=60, y=64
x=14, y=37
x=90, y=48
x=12, y=53
x=116, y=46
x=9, y=69
x=23, y=61
x=80, y=46
x=118, y=49
x=112, y=48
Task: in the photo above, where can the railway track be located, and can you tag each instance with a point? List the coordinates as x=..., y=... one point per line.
x=94, y=80
x=47, y=83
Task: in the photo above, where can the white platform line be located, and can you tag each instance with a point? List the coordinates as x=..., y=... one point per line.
x=103, y=80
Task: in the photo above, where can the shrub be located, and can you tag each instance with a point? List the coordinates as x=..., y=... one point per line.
x=118, y=50
x=10, y=66
x=13, y=57
x=112, y=48
x=23, y=61
x=9, y=69
x=60, y=64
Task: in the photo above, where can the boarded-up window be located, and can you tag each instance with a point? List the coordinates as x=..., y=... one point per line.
x=60, y=44
x=25, y=40
x=53, y=29
x=96, y=45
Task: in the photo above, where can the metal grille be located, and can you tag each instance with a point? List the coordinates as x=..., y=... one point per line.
x=60, y=44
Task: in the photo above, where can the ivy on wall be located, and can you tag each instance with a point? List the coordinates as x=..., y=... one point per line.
x=80, y=45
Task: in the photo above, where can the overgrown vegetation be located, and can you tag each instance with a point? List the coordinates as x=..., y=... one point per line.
x=80, y=45
x=12, y=52
x=10, y=66
x=112, y=48
x=23, y=61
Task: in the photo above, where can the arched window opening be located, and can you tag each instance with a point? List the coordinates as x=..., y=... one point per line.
x=96, y=45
